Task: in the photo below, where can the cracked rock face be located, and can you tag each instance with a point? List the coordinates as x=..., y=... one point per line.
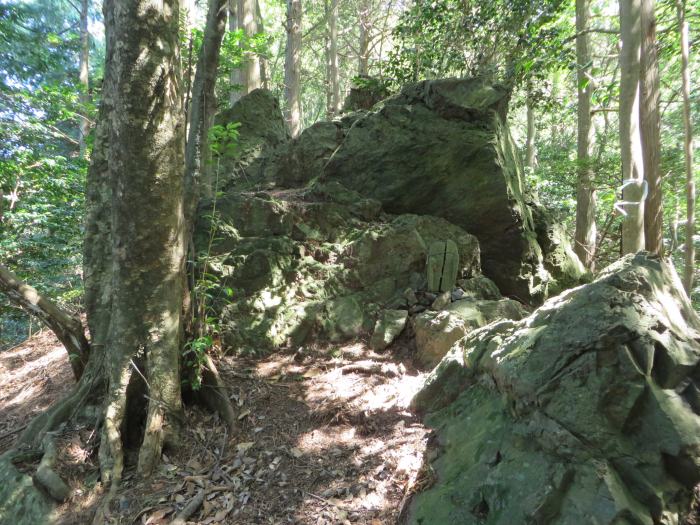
x=584, y=412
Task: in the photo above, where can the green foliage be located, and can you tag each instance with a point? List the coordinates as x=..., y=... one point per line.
x=223, y=141
x=506, y=40
x=207, y=293
x=41, y=172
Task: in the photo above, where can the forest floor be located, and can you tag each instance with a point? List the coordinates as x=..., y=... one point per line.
x=324, y=436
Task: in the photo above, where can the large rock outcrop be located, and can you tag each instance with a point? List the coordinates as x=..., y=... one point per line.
x=317, y=260
x=442, y=148
x=262, y=129
x=584, y=412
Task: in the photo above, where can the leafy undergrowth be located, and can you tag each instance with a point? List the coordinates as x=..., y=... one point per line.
x=324, y=436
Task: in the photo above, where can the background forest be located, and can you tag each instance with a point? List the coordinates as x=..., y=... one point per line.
x=52, y=55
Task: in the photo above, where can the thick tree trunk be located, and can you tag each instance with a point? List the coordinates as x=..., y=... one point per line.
x=689, y=268
x=84, y=76
x=68, y=329
x=237, y=76
x=333, y=81
x=203, y=108
x=292, y=67
x=145, y=163
x=585, y=236
x=651, y=131
x=134, y=246
x=630, y=138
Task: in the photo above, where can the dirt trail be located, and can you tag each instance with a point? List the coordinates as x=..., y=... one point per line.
x=324, y=437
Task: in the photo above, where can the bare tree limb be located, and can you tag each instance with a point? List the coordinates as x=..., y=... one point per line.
x=67, y=328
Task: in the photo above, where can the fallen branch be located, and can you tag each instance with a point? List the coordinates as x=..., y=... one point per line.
x=67, y=328
x=196, y=502
x=372, y=368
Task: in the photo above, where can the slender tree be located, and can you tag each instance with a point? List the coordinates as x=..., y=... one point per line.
x=237, y=76
x=689, y=269
x=530, y=153
x=333, y=78
x=650, y=122
x=585, y=237
x=630, y=137
x=252, y=78
x=265, y=81
x=84, y=76
x=365, y=26
x=203, y=106
x=292, y=67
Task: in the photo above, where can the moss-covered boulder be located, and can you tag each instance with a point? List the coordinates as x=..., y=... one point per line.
x=388, y=327
x=439, y=148
x=262, y=129
x=365, y=93
x=584, y=412
x=320, y=259
x=436, y=332
x=443, y=148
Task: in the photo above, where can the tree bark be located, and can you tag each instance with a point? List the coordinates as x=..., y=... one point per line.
x=333, y=81
x=237, y=81
x=251, y=70
x=265, y=81
x=363, y=50
x=203, y=108
x=630, y=138
x=689, y=267
x=68, y=329
x=530, y=155
x=651, y=131
x=585, y=236
x=292, y=67
x=84, y=77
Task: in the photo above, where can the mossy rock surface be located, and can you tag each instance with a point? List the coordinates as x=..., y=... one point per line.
x=443, y=148
x=583, y=412
x=319, y=260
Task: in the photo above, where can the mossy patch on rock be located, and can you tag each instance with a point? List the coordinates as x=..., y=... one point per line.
x=582, y=412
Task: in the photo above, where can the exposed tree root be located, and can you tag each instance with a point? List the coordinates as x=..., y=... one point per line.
x=46, y=477
x=214, y=394
x=56, y=415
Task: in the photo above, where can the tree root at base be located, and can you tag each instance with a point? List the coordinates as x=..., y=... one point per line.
x=214, y=394
x=46, y=477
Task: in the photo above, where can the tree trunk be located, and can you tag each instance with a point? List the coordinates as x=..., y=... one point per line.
x=68, y=329
x=651, y=131
x=630, y=138
x=689, y=268
x=363, y=54
x=265, y=81
x=292, y=67
x=203, y=108
x=333, y=82
x=530, y=155
x=585, y=236
x=84, y=77
x=237, y=81
x=251, y=69
x=134, y=245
